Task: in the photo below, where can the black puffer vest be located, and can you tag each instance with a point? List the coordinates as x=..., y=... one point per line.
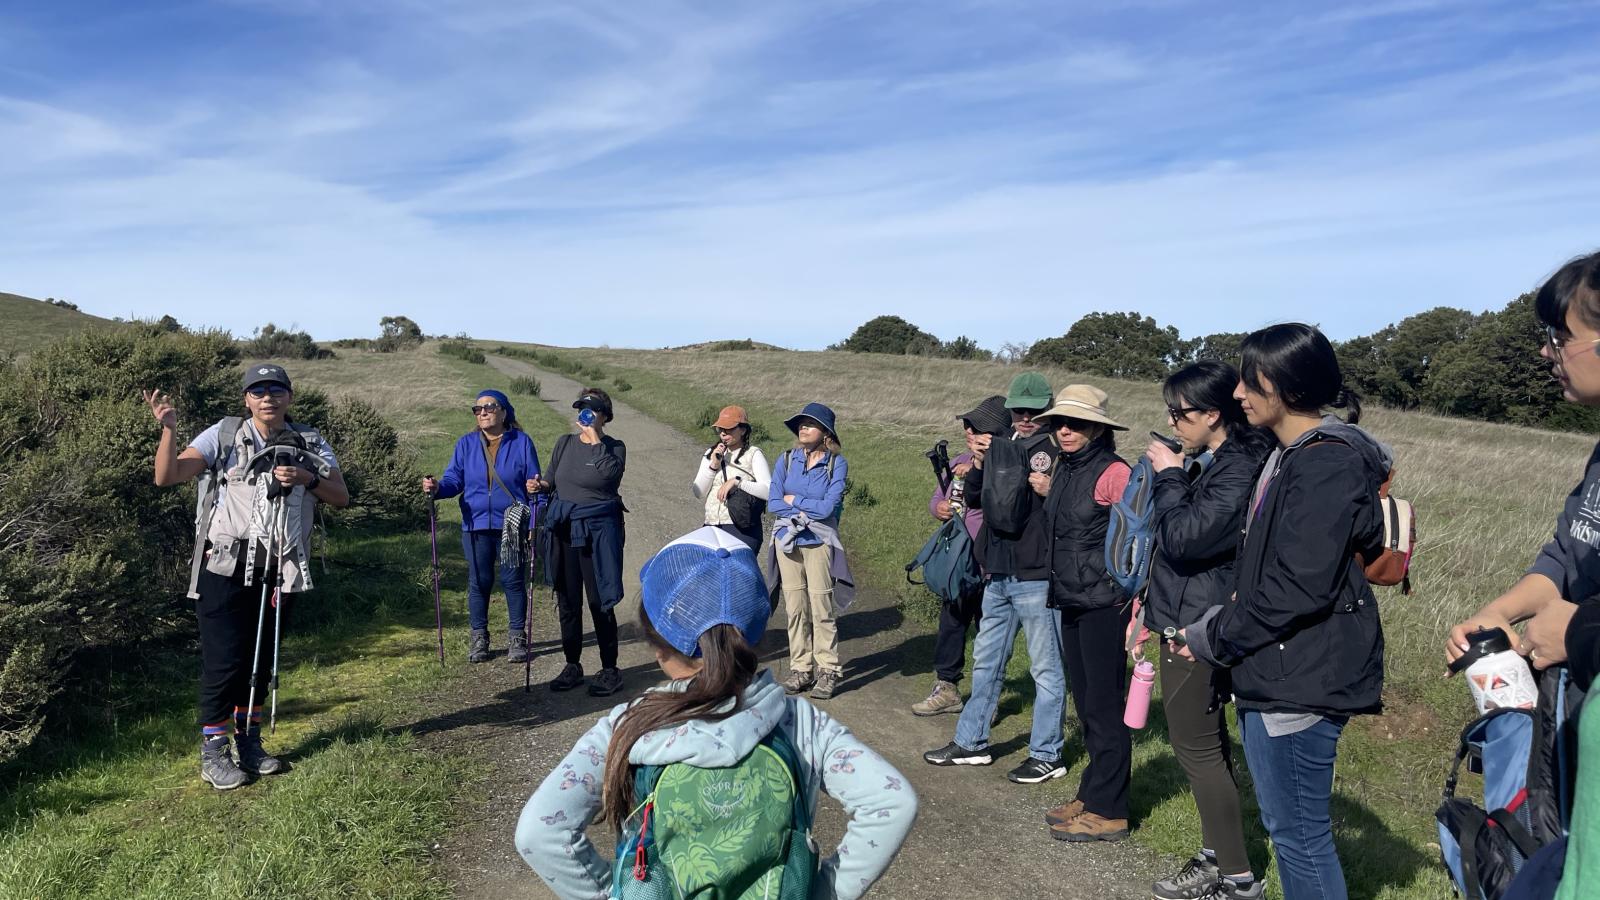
x=1078, y=577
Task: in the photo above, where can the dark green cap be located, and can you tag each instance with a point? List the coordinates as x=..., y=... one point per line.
x=1028, y=391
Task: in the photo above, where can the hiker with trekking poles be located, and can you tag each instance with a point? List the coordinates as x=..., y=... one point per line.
x=261, y=478
x=807, y=498
x=1014, y=548
x=494, y=470
x=960, y=612
x=1302, y=639
x=734, y=479
x=1197, y=519
x=1557, y=599
x=581, y=538
x=711, y=782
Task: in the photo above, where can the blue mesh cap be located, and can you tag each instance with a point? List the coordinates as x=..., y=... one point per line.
x=703, y=579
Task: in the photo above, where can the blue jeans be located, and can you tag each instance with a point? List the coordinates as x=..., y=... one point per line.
x=483, y=555
x=1294, y=787
x=1009, y=604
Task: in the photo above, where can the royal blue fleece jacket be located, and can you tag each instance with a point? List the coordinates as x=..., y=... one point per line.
x=816, y=493
x=483, y=505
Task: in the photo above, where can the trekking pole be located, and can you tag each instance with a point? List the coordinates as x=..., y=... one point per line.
x=255, y=659
x=527, y=600
x=277, y=607
x=433, y=538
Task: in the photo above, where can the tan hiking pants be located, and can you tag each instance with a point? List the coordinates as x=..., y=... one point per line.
x=808, y=601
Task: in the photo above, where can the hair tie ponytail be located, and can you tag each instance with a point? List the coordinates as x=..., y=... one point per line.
x=1341, y=400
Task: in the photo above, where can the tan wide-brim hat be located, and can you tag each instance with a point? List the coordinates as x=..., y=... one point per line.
x=1084, y=402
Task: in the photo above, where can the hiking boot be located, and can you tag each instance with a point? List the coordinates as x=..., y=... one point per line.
x=478, y=647
x=1034, y=770
x=944, y=699
x=517, y=647
x=216, y=765
x=827, y=683
x=571, y=676
x=1090, y=827
x=1230, y=890
x=608, y=682
x=254, y=758
x=953, y=754
x=798, y=682
x=1195, y=881
x=1066, y=812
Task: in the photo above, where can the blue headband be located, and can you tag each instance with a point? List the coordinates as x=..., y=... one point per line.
x=511, y=411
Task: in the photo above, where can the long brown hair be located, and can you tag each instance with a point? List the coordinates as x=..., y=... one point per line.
x=730, y=666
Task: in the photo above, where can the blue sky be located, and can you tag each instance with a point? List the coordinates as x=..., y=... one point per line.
x=654, y=173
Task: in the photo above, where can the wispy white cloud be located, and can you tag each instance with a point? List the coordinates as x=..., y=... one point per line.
x=578, y=173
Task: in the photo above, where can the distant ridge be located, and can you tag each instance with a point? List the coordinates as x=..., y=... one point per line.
x=26, y=323
x=745, y=344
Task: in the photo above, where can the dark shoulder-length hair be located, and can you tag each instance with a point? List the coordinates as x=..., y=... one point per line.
x=1574, y=285
x=1209, y=385
x=1300, y=362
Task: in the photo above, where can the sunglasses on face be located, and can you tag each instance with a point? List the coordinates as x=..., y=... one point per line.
x=1024, y=414
x=276, y=393
x=486, y=409
x=1174, y=413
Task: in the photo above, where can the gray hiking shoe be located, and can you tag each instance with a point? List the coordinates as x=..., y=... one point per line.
x=254, y=758
x=517, y=647
x=827, y=683
x=944, y=699
x=798, y=682
x=1197, y=879
x=478, y=646
x=216, y=765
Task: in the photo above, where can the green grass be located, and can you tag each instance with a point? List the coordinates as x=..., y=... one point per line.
x=112, y=806
x=26, y=323
x=1478, y=534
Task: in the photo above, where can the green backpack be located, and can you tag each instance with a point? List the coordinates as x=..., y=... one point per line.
x=719, y=834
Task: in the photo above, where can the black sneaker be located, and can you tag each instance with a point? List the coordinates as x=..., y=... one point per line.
x=1197, y=879
x=570, y=677
x=478, y=646
x=608, y=682
x=1034, y=770
x=254, y=758
x=953, y=754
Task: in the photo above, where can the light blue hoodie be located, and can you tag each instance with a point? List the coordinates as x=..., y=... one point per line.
x=881, y=804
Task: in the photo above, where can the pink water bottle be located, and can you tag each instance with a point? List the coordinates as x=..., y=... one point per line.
x=1144, y=681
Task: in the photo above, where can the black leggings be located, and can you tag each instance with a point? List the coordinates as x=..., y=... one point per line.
x=577, y=577
x=228, y=612
x=1199, y=735
x=1097, y=674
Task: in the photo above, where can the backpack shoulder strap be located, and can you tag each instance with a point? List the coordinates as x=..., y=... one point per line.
x=781, y=745
x=227, y=433
x=205, y=501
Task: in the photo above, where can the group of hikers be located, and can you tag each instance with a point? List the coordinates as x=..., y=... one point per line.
x=1266, y=511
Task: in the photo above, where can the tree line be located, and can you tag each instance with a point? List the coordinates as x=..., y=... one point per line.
x=1445, y=360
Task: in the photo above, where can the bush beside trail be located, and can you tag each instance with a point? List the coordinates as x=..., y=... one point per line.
x=92, y=553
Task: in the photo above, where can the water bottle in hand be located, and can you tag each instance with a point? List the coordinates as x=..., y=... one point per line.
x=1498, y=677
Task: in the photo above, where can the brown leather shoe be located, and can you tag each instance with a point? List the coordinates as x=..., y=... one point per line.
x=1064, y=813
x=1090, y=827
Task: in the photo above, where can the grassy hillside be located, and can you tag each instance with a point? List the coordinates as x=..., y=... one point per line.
x=25, y=322
x=1479, y=526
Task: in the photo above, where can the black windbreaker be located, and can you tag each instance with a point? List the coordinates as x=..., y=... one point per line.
x=1303, y=633
x=1197, y=530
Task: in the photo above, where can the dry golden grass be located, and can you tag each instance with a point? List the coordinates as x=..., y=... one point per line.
x=408, y=386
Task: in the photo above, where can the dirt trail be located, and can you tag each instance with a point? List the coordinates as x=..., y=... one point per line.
x=977, y=835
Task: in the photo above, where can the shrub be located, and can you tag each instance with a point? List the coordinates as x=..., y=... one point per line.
x=463, y=349
x=889, y=334
x=521, y=385
x=271, y=343
x=622, y=386
x=382, y=476
x=397, y=333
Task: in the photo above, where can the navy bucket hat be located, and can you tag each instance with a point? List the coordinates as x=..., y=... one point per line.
x=820, y=414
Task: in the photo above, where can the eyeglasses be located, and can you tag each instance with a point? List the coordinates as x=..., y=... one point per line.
x=275, y=392
x=1558, y=342
x=1174, y=413
x=486, y=409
